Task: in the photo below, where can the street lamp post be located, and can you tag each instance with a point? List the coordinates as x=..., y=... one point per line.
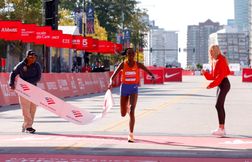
x=84, y=18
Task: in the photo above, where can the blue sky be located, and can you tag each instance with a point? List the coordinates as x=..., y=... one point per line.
x=177, y=14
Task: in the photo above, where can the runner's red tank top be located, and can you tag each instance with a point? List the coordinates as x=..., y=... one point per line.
x=130, y=75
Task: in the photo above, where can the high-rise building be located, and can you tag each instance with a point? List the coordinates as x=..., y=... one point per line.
x=250, y=32
x=162, y=48
x=234, y=45
x=197, y=41
x=242, y=14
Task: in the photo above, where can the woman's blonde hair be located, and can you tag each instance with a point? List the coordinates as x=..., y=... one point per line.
x=217, y=51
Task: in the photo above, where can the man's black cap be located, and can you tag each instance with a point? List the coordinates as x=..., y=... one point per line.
x=30, y=52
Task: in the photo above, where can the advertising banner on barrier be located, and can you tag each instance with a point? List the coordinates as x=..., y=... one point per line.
x=71, y=79
x=246, y=75
x=7, y=95
x=56, y=39
x=58, y=106
x=172, y=74
x=28, y=32
x=51, y=84
x=159, y=76
x=10, y=30
x=188, y=72
x=66, y=41
x=64, y=86
x=43, y=35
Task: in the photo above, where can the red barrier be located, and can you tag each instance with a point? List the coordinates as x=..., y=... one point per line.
x=41, y=84
x=51, y=84
x=71, y=78
x=117, y=79
x=8, y=96
x=246, y=75
x=90, y=86
x=103, y=81
x=64, y=85
x=173, y=75
x=96, y=83
x=187, y=72
x=159, y=76
x=80, y=81
x=60, y=85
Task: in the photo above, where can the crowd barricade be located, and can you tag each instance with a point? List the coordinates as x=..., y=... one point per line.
x=246, y=75
x=103, y=81
x=95, y=83
x=72, y=82
x=82, y=81
x=117, y=80
x=173, y=74
x=7, y=96
x=187, y=72
x=60, y=84
x=63, y=85
x=159, y=76
x=51, y=84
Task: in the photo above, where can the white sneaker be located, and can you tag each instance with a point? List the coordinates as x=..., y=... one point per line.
x=219, y=132
x=131, y=138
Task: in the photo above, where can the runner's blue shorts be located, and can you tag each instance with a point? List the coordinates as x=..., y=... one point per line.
x=128, y=89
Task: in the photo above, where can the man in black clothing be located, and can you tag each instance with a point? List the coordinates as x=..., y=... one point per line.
x=29, y=70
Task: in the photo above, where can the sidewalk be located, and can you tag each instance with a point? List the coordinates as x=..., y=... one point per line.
x=173, y=123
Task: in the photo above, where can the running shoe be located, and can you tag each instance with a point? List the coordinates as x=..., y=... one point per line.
x=219, y=132
x=131, y=138
x=30, y=130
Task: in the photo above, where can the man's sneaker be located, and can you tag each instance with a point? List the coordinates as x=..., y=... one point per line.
x=131, y=138
x=219, y=132
x=30, y=130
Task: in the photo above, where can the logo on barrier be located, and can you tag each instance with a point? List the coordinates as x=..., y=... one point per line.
x=77, y=113
x=49, y=100
x=170, y=75
x=25, y=87
x=247, y=76
x=148, y=77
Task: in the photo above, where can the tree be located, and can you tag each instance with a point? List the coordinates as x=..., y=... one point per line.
x=116, y=15
x=65, y=17
x=71, y=5
x=27, y=11
x=199, y=66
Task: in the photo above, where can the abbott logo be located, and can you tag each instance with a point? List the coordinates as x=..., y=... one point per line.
x=170, y=75
x=247, y=76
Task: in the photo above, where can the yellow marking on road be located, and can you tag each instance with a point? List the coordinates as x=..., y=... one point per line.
x=116, y=126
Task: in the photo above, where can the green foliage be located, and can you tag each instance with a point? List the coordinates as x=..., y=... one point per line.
x=114, y=15
x=27, y=11
x=199, y=66
x=65, y=17
x=71, y=5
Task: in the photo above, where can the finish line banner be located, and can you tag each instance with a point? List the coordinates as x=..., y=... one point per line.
x=59, y=107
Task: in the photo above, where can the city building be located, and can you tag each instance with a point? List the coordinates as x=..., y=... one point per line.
x=233, y=44
x=162, y=47
x=250, y=32
x=197, y=41
x=241, y=8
